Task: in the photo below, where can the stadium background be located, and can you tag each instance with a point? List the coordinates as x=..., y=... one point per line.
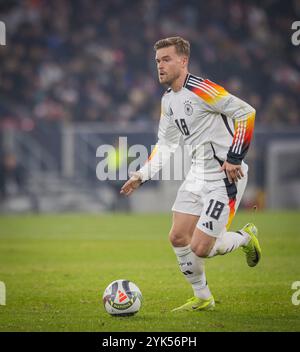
x=77, y=74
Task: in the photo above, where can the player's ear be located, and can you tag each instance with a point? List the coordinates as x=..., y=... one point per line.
x=184, y=61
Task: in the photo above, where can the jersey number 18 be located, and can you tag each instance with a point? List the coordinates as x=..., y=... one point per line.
x=182, y=127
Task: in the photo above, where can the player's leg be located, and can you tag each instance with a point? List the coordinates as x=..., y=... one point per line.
x=221, y=205
x=190, y=265
x=213, y=218
x=226, y=243
x=187, y=208
x=182, y=229
x=252, y=247
x=202, y=299
x=246, y=238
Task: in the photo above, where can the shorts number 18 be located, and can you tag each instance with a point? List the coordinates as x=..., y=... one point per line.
x=215, y=209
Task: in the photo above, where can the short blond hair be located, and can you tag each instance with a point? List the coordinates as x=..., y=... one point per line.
x=181, y=45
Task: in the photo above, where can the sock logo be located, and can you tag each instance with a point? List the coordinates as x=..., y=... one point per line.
x=187, y=263
x=187, y=272
x=208, y=225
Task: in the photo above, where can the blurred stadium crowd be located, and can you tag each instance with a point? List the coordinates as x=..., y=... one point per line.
x=90, y=60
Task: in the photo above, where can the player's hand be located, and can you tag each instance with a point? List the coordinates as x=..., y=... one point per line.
x=132, y=184
x=234, y=172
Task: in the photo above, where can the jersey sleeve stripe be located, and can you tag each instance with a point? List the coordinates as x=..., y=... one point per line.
x=209, y=87
x=201, y=90
x=207, y=90
x=239, y=136
x=242, y=138
x=249, y=131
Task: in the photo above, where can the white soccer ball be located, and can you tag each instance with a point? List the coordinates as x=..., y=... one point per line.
x=122, y=297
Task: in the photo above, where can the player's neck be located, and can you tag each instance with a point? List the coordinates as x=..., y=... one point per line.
x=179, y=82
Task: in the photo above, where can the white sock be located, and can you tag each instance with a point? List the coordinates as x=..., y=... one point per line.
x=228, y=242
x=193, y=269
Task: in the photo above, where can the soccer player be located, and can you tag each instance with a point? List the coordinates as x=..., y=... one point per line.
x=218, y=126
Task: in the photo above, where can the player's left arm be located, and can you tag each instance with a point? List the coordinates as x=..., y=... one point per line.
x=243, y=115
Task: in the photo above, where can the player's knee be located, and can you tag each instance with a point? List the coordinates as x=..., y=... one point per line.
x=200, y=250
x=178, y=238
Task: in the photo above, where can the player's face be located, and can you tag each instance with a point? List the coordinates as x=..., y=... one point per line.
x=170, y=65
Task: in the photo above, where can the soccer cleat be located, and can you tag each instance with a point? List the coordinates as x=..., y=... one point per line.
x=252, y=248
x=196, y=304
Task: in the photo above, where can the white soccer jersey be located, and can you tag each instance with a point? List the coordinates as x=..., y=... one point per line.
x=217, y=125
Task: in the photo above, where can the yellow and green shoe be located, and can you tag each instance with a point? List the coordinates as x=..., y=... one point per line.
x=196, y=304
x=252, y=248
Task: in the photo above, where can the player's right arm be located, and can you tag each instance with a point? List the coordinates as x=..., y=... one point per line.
x=168, y=140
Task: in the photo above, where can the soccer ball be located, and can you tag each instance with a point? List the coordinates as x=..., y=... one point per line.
x=122, y=297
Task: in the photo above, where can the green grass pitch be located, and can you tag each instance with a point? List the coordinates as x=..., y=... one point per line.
x=56, y=267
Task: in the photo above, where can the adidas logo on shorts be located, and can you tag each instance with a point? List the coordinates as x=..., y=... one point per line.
x=209, y=225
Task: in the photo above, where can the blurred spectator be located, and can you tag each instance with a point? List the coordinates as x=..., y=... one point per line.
x=12, y=176
x=89, y=60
